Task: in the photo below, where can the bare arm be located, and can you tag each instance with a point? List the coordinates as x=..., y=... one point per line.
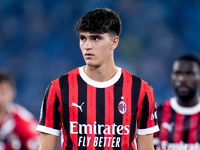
x=145, y=142
x=48, y=141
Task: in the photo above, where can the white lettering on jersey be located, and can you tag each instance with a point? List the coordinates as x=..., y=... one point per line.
x=154, y=115
x=181, y=145
x=107, y=131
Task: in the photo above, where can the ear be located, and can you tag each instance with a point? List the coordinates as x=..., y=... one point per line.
x=199, y=78
x=115, y=41
x=172, y=76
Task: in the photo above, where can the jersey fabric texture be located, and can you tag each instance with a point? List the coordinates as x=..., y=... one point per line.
x=179, y=126
x=101, y=115
x=17, y=131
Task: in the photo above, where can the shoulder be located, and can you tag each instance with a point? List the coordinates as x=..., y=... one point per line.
x=137, y=82
x=63, y=79
x=127, y=74
x=72, y=72
x=166, y=103
x=24, y=122
x=21, y=113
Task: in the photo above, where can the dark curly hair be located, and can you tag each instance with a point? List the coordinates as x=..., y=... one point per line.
x=100, y=20
x=189, y=57
x=7, y=77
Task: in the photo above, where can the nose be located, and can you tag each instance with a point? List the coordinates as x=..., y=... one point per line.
x=88, y=45
x=183, y=78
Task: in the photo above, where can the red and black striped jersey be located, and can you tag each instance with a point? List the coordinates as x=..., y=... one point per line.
x=102, y=115
x=179, y=126
x=17, y=130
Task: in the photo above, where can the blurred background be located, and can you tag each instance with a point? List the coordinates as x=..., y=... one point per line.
x=38, y=42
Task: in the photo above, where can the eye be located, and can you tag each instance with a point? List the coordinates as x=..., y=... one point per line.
x=82, y=38
x=190, y=73
x=96, y=38
x=177, y=73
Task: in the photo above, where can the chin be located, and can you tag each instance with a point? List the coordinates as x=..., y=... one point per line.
x=91, y=64
x=185, y=98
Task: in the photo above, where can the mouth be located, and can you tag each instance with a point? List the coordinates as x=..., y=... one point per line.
x=88, y=55
x=183, y=89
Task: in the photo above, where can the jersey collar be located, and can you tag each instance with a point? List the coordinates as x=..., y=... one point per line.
x=184, y=110
x=97, y=84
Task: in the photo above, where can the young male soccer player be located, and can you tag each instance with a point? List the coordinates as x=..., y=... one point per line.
x=99, y=105
x=179, y=116
x=17, y=125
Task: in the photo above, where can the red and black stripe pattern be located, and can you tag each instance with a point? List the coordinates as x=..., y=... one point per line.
x=95, y=117
x=178, y=128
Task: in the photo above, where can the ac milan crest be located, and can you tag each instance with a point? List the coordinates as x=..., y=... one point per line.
x=122, y=107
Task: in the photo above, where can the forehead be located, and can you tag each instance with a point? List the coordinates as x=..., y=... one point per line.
x=88, y=34
x=183, y=65
x=6, y=86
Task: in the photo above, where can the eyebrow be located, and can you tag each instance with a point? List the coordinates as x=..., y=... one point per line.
x=80, y=35
x=91, y=36
x=95, y=36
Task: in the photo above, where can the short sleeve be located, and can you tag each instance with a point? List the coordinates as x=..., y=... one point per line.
x=50, y=115
x=147, y=122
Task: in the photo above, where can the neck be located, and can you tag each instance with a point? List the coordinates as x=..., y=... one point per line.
x=189, y=103
x=101, y=73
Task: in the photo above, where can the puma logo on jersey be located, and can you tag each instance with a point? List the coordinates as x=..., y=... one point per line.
x=168, y=126
x=76, y=105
